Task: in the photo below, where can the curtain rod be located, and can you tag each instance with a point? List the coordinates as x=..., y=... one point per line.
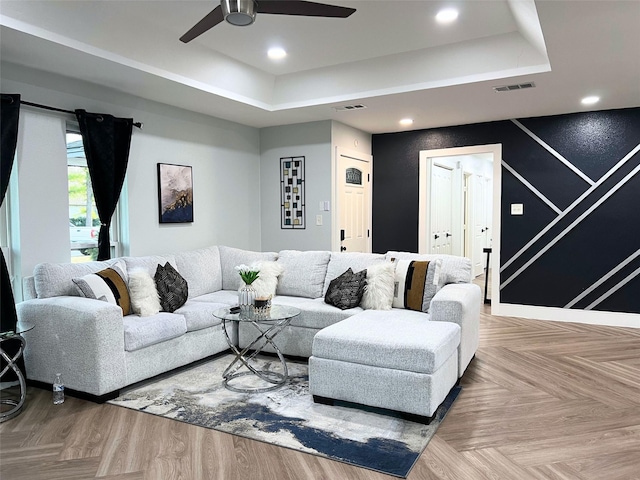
x=54, y=109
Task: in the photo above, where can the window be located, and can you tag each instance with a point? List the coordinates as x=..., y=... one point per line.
x=84, y=223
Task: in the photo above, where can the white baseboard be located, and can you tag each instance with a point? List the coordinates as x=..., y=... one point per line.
x=592, y=317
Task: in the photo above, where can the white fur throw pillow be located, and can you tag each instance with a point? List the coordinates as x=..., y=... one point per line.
x=267, y=280
x=378, y=293
x=144, y=296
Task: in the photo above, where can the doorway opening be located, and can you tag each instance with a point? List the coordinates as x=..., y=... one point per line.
x=459, y=207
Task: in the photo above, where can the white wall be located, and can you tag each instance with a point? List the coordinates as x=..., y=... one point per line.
x=317, y=141
x=349, y=138
x=225, y=157
x=313, y=141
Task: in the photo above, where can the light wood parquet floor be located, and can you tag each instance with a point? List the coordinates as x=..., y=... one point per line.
x=541, y=400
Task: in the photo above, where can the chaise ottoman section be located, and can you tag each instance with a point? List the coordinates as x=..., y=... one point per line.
x=395, y=359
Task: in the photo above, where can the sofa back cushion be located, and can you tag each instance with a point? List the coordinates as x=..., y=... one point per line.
x=231, y=257
x=56, y=279
x=453, y=269
x=356, y=261
x=149, y=263
x=303, y=273
x=201, y=269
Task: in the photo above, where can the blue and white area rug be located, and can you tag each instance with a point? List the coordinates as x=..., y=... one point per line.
x=370, y=438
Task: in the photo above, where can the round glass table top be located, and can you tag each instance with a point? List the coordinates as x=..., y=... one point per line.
x=21, y=327
x=277, y=312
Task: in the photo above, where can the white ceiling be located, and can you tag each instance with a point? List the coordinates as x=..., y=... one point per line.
x=390, y=55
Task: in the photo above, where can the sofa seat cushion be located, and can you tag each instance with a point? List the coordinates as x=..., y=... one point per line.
x=224, y=297
x=199, y=315
x=314, y=312
x=396, y=339
x=303, y=273
x=140, y=332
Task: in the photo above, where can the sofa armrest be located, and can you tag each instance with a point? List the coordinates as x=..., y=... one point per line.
x=79, y=337
x=460, y=303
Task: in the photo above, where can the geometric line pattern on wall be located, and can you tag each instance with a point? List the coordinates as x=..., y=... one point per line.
x=533, y=189
x=567, y=163
x=600, y=201
x=621, y=284
x=575, y=204
x=292, y=193
x=606, y=277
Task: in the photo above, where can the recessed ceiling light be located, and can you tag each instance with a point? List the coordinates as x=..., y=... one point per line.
x=405, y=122
x=447, y=15
x=590, y=100
x=276, y=53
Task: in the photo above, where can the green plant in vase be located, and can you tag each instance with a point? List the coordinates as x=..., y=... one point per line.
x=248, y=274
x=247, y=294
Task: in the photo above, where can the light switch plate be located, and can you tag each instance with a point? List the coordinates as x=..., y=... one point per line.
x=517, y=209
x=319, y=220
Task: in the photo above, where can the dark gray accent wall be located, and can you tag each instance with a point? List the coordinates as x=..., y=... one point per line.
x=584, y=245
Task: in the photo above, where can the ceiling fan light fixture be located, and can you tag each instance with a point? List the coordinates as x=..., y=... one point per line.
x=239, y=12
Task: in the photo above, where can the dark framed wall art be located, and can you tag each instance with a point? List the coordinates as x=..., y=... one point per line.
x=175, y=193
x=292, y=186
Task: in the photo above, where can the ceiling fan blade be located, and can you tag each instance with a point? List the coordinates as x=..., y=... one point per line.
x=303, y=8
x=211, y=20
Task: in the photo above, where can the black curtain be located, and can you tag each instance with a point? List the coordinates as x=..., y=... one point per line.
x=107, y=140
x=9, y=114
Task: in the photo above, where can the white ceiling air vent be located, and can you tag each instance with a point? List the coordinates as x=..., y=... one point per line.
x=342, y=108
x=516, y=86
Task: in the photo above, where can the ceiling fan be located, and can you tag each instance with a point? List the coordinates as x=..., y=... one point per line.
x=243, y=12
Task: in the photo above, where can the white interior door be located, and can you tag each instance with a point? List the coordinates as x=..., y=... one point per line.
x=354, y=200
x=479, y=222
x=441, y=211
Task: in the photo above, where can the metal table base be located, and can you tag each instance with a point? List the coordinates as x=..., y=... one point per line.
x=12, y=365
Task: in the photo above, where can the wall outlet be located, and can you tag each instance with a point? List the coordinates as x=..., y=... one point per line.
x=517, y=209
x=319, y=220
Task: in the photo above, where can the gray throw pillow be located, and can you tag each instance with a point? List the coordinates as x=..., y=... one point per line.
x=172, y=288
x=346, y=290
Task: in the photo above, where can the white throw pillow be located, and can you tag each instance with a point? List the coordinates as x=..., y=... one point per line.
x=267, y=280
x=144, y=296
x=378, y=293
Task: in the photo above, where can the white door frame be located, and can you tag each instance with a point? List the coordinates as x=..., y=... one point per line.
x=426, y=157
x=335, y=217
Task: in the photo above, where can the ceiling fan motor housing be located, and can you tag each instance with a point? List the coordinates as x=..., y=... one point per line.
x=239, y=12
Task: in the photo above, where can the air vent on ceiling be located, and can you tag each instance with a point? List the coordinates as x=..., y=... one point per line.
x=517, y=86
x=342, y=108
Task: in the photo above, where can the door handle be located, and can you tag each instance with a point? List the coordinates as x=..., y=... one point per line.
x=436, y=236
x=343, y=249
x=342, y=235
x=449, y=235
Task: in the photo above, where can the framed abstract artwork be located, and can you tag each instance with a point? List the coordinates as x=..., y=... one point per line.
x=175, y=193
x=292, y=187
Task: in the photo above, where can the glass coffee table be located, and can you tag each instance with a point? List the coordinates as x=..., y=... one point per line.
x=267, y=326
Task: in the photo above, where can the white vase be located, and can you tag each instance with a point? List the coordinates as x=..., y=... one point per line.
x=246, y=298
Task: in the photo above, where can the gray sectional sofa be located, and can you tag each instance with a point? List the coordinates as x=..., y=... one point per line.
x=99, y=351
